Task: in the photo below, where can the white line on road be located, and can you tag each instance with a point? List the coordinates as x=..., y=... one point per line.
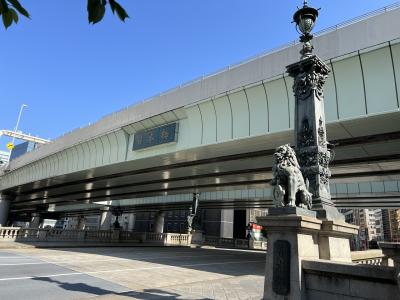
x=131, y=269
x=16, y=256
x=29, y=263
x=86, y=260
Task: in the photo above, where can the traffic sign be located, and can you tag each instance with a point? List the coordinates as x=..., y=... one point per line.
x=10, y=146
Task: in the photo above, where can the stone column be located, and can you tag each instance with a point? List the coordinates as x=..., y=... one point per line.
x=81, y=223
x=292, y=236
x=35, y=220
x=313, y=150
x=4, y=209
x=159, y=222
x=105, y=220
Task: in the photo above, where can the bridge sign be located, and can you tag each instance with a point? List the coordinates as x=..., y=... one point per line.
x=157, y=136
x=10, y=146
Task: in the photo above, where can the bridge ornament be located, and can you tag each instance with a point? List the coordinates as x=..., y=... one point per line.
x=289, y=187
x=301, y=175
x=194, y=219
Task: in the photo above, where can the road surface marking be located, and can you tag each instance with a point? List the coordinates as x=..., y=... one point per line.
x=75, y=260
x=29, y=263
x=130, y=269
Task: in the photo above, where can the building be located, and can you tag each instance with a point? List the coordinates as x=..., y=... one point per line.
x=22, y=148
x=4, y=157
x=371, y=226
x=227, y=223
x=379, y=225
x=174, y=221
x=391, y=225
x=71, y=223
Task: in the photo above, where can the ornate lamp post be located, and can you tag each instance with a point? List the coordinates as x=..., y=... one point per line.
x=301, y=180
x=312, y=148
x=305, y=19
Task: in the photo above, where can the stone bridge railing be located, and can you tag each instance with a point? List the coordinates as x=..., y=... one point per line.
x=15, y=234
x=234, y=243
x=104, y=236
x=369, y=257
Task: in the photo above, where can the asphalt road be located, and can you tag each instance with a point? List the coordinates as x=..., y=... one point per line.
x=130, y=273
x=23, y=277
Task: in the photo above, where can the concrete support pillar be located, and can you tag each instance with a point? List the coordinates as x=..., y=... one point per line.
x=131, y=222
x=4, y=209
x=159, y=222
x=226, y=229
x=35, y=220
x=105, y=220
x=81, y=223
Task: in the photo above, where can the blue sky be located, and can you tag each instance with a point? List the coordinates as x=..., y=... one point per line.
x=71, y=73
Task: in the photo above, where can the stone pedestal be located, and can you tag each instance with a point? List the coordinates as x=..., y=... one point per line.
x=196, y=237
x=334, y=240
x=295, y=234
x=292, y=237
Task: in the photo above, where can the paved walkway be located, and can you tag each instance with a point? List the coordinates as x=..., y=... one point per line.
x=130, y=273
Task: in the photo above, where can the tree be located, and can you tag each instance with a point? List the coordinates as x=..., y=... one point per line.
x=10, y=9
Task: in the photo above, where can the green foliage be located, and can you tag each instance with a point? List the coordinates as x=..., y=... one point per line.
x=9, y=10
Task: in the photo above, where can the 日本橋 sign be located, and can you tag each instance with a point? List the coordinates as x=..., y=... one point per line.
x=156, y=136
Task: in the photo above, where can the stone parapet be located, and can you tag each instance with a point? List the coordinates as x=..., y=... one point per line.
x=289, y=222
x=332, y=280
x=340, y=228
x=334, y=240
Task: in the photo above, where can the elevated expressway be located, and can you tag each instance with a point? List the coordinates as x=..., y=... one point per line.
x=229, y=124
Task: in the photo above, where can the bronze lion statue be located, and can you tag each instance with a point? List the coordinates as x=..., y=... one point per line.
x=289, y=186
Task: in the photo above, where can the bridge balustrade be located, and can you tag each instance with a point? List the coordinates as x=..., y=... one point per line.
x=71, y=235
x=234, y=243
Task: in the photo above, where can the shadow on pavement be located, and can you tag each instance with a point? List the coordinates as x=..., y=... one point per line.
x=97, y=291
x=227, y=262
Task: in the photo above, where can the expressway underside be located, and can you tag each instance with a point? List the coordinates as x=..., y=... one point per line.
x=240, y=165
